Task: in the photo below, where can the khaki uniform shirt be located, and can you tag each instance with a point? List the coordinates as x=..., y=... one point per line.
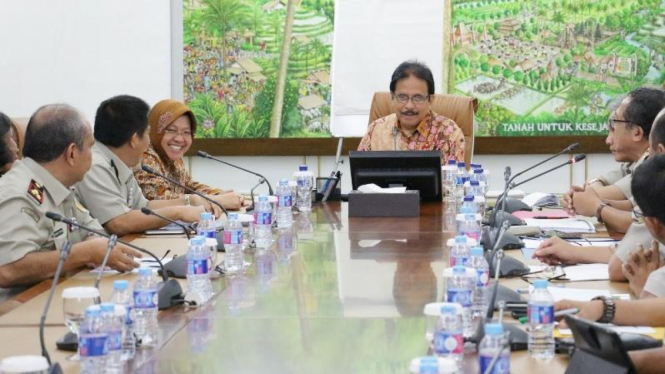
x=655, y=284
x=109, y=189
x=637, y=234
x=27, y=192
x=621, y=177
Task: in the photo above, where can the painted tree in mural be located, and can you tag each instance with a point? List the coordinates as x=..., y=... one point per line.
x=224, y=16
x=276, y=122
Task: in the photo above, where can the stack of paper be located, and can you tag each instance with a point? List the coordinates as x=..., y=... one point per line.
x=563, y=225
x=587, y=272
x=540, y=199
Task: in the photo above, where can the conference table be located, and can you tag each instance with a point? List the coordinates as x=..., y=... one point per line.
x=336, y=294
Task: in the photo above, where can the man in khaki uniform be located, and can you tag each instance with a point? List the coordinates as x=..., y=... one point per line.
x=57, y=155
x=109, y=190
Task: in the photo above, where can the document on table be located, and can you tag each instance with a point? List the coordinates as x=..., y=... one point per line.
x=563, y=225
x=576, y=294
x=587, y=272
x=143, y=262
x=642, y=330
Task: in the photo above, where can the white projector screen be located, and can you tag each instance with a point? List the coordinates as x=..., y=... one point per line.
x=372, y=37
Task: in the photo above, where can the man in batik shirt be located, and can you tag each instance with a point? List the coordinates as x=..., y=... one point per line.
x=414, y=126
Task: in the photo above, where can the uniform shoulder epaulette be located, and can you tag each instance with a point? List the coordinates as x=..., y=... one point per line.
x=36, y=191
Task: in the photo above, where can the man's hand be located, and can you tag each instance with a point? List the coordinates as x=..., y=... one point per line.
x=639, y=265
x=591, y=310
x=567, y=202
x=199, y=201
x=556, y=251
x=586, y=202
x=121, y=257
x=191, y=214
x=230, y=200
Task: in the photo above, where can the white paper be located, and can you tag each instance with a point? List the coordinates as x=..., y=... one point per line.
x=540, y=199
x=575, y=294
x=493, y=194
x=143, y=262
x=587, y=272
x=373, y=188
x=563, y=225
x=642, y=330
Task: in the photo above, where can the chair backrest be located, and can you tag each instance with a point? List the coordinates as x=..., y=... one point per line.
x=460, y=109
x=20, y=124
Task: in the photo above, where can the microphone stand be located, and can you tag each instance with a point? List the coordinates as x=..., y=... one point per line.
x=150, y=212
x=170, y=294
x=152, y=171
x=109, y=247
x=575, y=160
x=264, y=179
x=64, y=252
x=251, y=192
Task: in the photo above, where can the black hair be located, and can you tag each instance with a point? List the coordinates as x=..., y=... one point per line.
x=51, y=129
x=658, y=129
x=415, y=68
x=6, y=155
x=644, y=105
x=648, y=187
x=119, y=118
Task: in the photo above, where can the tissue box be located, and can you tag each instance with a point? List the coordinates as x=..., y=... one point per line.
x=363, y=204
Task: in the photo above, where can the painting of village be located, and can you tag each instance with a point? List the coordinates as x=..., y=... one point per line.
x=552, y=67
x=232, y=53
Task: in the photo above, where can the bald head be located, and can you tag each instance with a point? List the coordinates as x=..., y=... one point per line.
x=51, y=129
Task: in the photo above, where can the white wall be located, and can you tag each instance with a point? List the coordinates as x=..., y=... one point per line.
x=82, y=52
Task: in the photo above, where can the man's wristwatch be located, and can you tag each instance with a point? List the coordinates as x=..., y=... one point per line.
x=599, y=210
x=609, y=308
x=187, y=200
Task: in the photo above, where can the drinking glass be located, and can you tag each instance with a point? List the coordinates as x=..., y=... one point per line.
x=75, y=301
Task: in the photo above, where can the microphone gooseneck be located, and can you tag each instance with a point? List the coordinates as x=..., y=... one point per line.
x=263, y=178
x=149, y=212
x=64, y=252
x=109, y=247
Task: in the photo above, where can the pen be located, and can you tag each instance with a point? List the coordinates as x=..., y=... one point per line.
x=524, y=320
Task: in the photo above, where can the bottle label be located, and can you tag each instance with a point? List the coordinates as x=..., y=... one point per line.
x=448, y=342
x=502, y=365
x=197, y=267
x=473, y=235
x=263, y=218
x=209, y=234
x=458, y=260
x=144, y=299
x=541, y=314
x=286, y=201
x=483, y=277
x=462, y=297
x=115, y=340
x=93, y=345
x=303, y=182
x=128, y=319
x=232, y=236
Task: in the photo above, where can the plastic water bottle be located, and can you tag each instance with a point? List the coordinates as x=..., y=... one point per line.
x=460, y=290
x=458, y=192
x=93, y=336
x=114, y=327
x=467, y=202
x=122, y=296
x=461, y=170
x=480, y=294
x=491, y=346
x=284, y=205
x=469, y=225
x=432, y=365
x=459, y=255
x=479, y=176
x=198, y=277
x=448, y=179
x=263, y=223
x=234, y=259
x=145, y=308
x=304, y=188
x=449, y=334
x=541, y=321
x=206, y=229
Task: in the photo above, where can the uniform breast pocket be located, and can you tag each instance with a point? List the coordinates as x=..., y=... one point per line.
x=59, y=235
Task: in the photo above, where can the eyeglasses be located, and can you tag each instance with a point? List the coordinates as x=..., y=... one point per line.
x=416, y=99
x=611, y=123
x=174, y=133
x=638, y=216
x=550, y=273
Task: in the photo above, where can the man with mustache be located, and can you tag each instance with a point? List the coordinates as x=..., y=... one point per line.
x=414, y=126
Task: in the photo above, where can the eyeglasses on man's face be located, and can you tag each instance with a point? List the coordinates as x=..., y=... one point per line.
x=611, y=123
x=404, y=98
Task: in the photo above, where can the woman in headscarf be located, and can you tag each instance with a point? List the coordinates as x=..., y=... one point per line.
x=172, y=129
x=8, y=148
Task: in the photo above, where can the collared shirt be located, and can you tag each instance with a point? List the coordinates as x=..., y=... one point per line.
x=155, y=188
x=435, y=132
x=109, y=189
x=27, y=192
x=637, y=234
x=655, y=283
x=621, y=177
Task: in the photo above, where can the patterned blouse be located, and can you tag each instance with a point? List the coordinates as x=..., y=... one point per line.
x=435, y=132
x=155, y=188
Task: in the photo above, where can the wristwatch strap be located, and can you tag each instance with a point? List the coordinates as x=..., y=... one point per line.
x=609, y=308
x=599, y=211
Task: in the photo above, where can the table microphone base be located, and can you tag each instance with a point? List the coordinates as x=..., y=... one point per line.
x=506, y=295
x=55, y=369
x=519, y=339
x=68, y=342
x=170, y=294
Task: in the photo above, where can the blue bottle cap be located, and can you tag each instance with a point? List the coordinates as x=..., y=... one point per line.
x=468, y=198
x=474, y=183
x=233, y=216
x=540, y=283
x=107, y=307
x=461, y=164
x=283, y=182
x=120, y=285
x=449, y=309
x=145, y=271
x=477, y=251
x=493, y=329
x=460, y=239
x=263, y=198
x=93, y=311
x=206, y=216
x=478, y=171
x=452, y=162
x=302, y=168
x=476, y=166
x=459, y=269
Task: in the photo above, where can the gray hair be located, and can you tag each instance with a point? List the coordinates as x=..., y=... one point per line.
x=51, y=129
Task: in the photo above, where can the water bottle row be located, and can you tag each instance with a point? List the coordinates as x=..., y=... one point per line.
x=455, y=176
